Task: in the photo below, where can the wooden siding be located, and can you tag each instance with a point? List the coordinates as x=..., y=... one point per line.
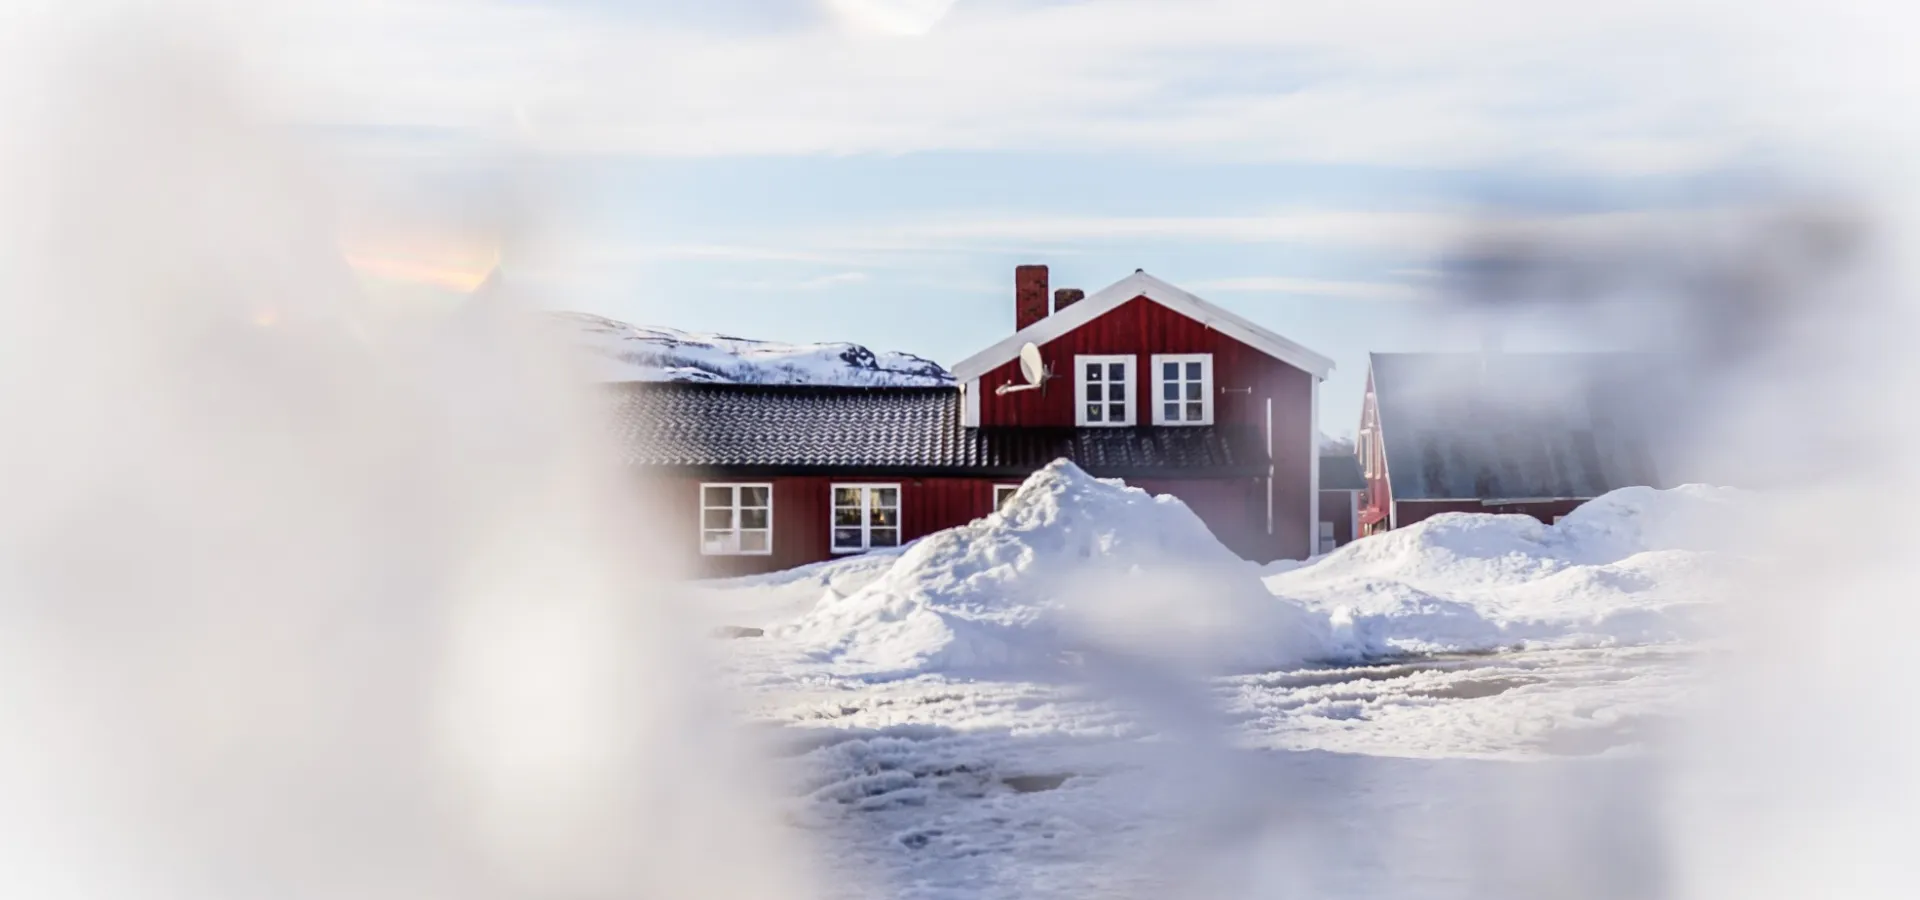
x=802, y=509
x=1376, y=504
x=1141, y=328
x=1411, y=511
x=1233, y=509
x=1245, y=380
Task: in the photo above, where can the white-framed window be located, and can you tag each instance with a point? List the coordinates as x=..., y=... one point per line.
x=865, y=517
x=736, y=519
x=1104, y=386
x=1183, y=392
x=1003, y=493
x=1326, y=537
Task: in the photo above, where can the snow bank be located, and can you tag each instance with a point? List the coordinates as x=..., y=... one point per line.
x=1636, y=565
x=1072, y=564
x=646, y=353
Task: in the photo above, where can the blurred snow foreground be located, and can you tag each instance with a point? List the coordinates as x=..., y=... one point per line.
x=1076, y=565
x=1085, y=695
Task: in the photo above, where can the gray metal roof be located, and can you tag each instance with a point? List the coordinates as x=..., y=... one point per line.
x=792, y=429
x=1513, y=426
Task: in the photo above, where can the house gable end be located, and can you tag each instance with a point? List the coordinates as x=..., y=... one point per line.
x=1134, y=287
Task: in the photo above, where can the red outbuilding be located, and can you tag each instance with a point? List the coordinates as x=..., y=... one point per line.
x=1140, y=381
x=1530, y=433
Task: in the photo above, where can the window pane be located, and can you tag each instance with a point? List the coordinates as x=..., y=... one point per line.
x=846, y=539
x=1193, y=371
x=1116, y=371
x=1170, y=371
x=846, y=515
x=1093, y=371
x=1093, y=412
x=1171, y=413
x=886, y=497
x=1116, y=412
x=886, y=537
x=758, y=495
x=1193, y=390
x=753, y=518
x=1194, y=412
x=717, y=541
x=1117, y=392
x=1093, y=393
x=1001, y=495
x=846, y=497
x=887, y=517
x=716, y=518
x=716, y=495
x=753, y=541
x=1170, y=391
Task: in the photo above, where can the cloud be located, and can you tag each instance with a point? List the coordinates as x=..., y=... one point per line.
x=1421, y=234
x=1313, y=287
x=896, y=17
x=818, y=283
x=1393, y=82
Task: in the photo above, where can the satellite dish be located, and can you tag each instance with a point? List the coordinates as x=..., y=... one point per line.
x=1030, y=364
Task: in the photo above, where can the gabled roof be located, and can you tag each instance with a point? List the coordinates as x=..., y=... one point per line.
x=1341, y=472
x=1140, y=284
x=807, y=429
x=1490, y=426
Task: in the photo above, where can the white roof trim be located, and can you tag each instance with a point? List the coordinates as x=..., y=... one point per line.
x=1140, y=284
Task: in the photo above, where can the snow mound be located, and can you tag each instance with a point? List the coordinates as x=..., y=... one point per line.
x=1636, y=565
x=645, y=353
x=1073, y=564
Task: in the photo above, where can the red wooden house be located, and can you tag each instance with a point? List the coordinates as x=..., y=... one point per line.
x=1141, y=381
x=1530, y=433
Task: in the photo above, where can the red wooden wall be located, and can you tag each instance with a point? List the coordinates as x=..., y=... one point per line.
x=1142, y=327
x=1233, y=509
x=1411, y=511
x=1376, y=503
x=1251, y=378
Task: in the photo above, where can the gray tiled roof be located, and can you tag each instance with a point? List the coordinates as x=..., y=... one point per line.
x=800, y=429
x=1341, y=472
x=1514, y=425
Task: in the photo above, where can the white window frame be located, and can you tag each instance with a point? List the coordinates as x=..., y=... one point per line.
x=866, y=489
x=1132, y=383
x=1001, y=494
x=734, y=530
x=1159, y=380
x=1326, y=538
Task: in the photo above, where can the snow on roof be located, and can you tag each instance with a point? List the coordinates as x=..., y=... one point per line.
x=1141, y=284
x=651, y=353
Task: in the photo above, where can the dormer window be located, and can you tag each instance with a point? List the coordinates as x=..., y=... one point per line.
x=1104, y=385
x=1183, y=392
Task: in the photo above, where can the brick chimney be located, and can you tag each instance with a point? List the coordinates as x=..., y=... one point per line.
x=1066, y=297
x=1029, y=295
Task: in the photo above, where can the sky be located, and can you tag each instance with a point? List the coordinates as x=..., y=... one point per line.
x=873, y=170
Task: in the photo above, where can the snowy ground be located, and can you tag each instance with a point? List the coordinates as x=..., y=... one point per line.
x=1460, y=709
